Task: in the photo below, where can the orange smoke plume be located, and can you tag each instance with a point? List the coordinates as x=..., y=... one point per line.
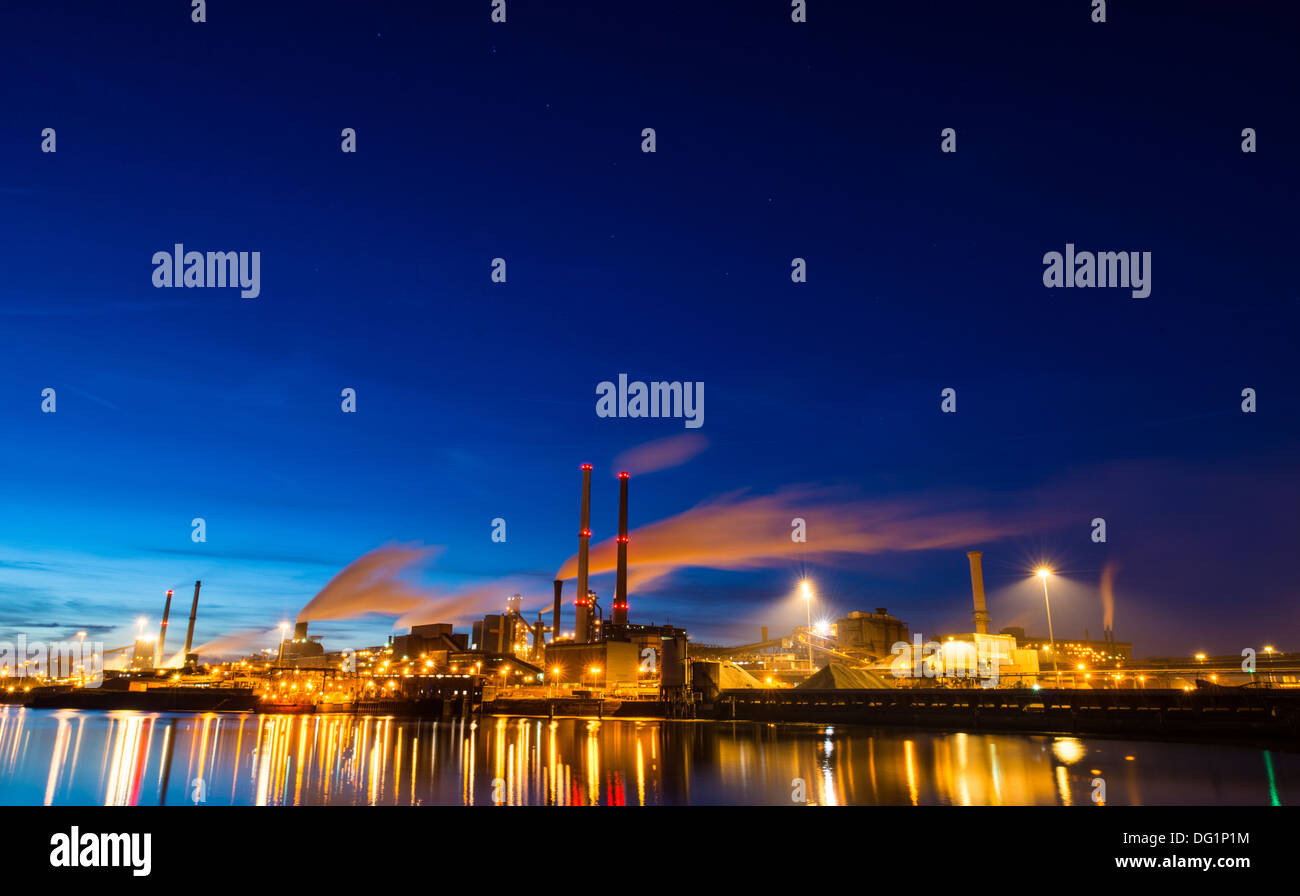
x=661, y=454
x=744, y=532
x=371, y=584
x=1108, y=595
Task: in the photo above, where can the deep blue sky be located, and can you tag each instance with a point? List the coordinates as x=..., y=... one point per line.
x=476, y=400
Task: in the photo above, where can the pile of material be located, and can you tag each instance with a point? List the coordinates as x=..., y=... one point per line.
x=731, y=676
x=838, y=677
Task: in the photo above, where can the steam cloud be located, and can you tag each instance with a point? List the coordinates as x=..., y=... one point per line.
x=734, y=531
x=236, y=644
x=1108, y=595
x=661, y=453
x=745, y=532
x=371, y=584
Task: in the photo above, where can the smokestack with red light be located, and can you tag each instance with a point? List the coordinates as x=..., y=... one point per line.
x=582, y=600
x=981, y=614
x=620, y=590
x=189, y=632
x=158, y=655
x=555, y=612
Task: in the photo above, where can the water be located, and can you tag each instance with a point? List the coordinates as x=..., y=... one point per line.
x=125, y=758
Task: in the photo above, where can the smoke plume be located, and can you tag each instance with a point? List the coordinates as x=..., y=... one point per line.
x=661, y=454
x=738, y=531
x=1108, y=595
x=372, y=584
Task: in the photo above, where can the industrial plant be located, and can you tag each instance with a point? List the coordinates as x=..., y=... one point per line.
x=867, y=664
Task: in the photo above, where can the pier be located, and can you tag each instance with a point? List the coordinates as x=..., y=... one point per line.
x=1244, y=713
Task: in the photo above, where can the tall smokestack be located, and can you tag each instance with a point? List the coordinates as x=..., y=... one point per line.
x=581, y=601
x=158, y=655
x=555, y=613
x=981, y=614
x=620, y=590
x=194, y=609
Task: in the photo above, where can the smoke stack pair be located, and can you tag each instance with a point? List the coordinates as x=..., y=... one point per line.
x=582, y=602
x=981, y=614
x=620, y=589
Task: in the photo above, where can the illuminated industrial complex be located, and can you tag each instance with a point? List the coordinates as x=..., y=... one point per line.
x=611, y=665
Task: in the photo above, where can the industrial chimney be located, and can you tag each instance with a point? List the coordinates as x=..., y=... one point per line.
x=620, y=589
x=189, y=632
x=582, y=601
x=981, y=614
x=158, y=655
x=555, y=613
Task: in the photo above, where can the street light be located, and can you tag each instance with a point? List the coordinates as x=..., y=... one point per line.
x=1044, y=573
x=807, y=601
x=81, y=654
x=1268, y=648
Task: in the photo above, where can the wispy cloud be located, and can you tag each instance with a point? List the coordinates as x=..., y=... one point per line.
x=661, y=454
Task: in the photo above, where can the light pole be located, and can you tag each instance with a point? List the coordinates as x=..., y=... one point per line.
x=1044, y=573
x=81, y=656
x=807, y=602
x=1269, y=650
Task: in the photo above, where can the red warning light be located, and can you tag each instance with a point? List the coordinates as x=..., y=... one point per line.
x=623, y=475
x=169, y=592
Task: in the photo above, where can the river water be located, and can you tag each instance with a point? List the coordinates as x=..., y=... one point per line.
x=72, y=757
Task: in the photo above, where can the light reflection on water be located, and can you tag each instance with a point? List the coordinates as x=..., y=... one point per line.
x=126, y=758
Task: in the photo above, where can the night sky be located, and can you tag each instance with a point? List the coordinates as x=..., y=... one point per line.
x=476, y=400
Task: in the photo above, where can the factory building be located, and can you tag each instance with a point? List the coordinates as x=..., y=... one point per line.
x=1072, y=651
x=872, y=633
x=299, y=648
x=506, y=650
x=436, y=648
x=501, y=634
x=613, y=653
x=434, y=640
x=974, y=657
x=603, y=664
x=142, y=655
